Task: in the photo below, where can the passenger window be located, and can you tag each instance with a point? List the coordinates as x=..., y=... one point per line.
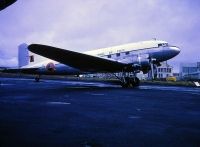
x=118, y=54
x=109, y=56
x=159, y=45
x=127, y=53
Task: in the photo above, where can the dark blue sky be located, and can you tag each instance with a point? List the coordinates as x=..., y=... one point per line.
x=84, y=25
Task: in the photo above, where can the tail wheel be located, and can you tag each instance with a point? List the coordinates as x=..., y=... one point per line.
x=37, y=78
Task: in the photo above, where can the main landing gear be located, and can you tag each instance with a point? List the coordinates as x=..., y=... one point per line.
x=127, y=81
x=130, y=82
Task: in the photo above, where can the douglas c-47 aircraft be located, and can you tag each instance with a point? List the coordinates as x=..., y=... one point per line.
x=134, y=57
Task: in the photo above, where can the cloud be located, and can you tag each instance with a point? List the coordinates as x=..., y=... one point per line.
x=82, y=25
x=9, y=62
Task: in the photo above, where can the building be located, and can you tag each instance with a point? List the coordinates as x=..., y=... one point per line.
x=190, y=71
x=162, y=72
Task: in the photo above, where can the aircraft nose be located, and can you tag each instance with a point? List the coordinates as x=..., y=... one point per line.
x=175, y=50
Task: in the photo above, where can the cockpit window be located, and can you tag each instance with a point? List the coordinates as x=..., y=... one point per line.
x=163, y=44
x=109, y=56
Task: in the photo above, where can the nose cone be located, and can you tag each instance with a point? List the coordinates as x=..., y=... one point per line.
x=174, y=50
x=170, y=52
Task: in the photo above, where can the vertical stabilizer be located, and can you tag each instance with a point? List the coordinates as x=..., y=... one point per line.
x=27, y=58
x=23, y=55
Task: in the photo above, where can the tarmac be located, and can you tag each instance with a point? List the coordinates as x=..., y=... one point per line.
x=94, y=114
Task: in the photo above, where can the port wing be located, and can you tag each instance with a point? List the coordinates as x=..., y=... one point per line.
x=77, y=60
x=6, y=3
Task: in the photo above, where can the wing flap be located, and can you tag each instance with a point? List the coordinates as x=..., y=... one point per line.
x=77, y=60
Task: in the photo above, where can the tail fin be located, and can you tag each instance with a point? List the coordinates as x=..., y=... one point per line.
x=27, y=58
x=23, y=55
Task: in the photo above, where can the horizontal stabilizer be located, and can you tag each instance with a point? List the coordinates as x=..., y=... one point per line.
x=20, y=70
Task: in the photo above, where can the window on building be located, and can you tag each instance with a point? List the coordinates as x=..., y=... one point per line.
x=189, y=69
x=163, y=69
x=31, y=58
x=185, y=69
x=193, y=69
x=198, y=64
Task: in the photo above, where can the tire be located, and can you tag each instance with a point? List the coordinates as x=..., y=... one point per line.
x=37, y=79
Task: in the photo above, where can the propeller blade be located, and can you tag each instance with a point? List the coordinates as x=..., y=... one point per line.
x=152, y=71
x=152, y=61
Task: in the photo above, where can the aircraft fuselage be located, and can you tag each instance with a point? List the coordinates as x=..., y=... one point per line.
x=138, y=56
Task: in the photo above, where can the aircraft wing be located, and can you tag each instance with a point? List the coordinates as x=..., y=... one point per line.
x=77, y=60
x=6, y=3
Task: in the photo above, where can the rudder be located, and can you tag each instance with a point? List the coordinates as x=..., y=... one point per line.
x=23, y=55
x=27, y=58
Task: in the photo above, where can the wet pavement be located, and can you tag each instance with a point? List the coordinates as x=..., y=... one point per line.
x=72, y=113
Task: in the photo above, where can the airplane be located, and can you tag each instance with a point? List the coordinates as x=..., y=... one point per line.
x=5, y=3
x=133, y=57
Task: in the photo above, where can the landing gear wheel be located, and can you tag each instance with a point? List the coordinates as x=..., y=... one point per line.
x=136, y=82
x=124, y=85
x=130, y=82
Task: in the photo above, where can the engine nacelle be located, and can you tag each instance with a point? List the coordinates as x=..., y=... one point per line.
x=141, y=62
x=50, y=67
x=144, y=62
